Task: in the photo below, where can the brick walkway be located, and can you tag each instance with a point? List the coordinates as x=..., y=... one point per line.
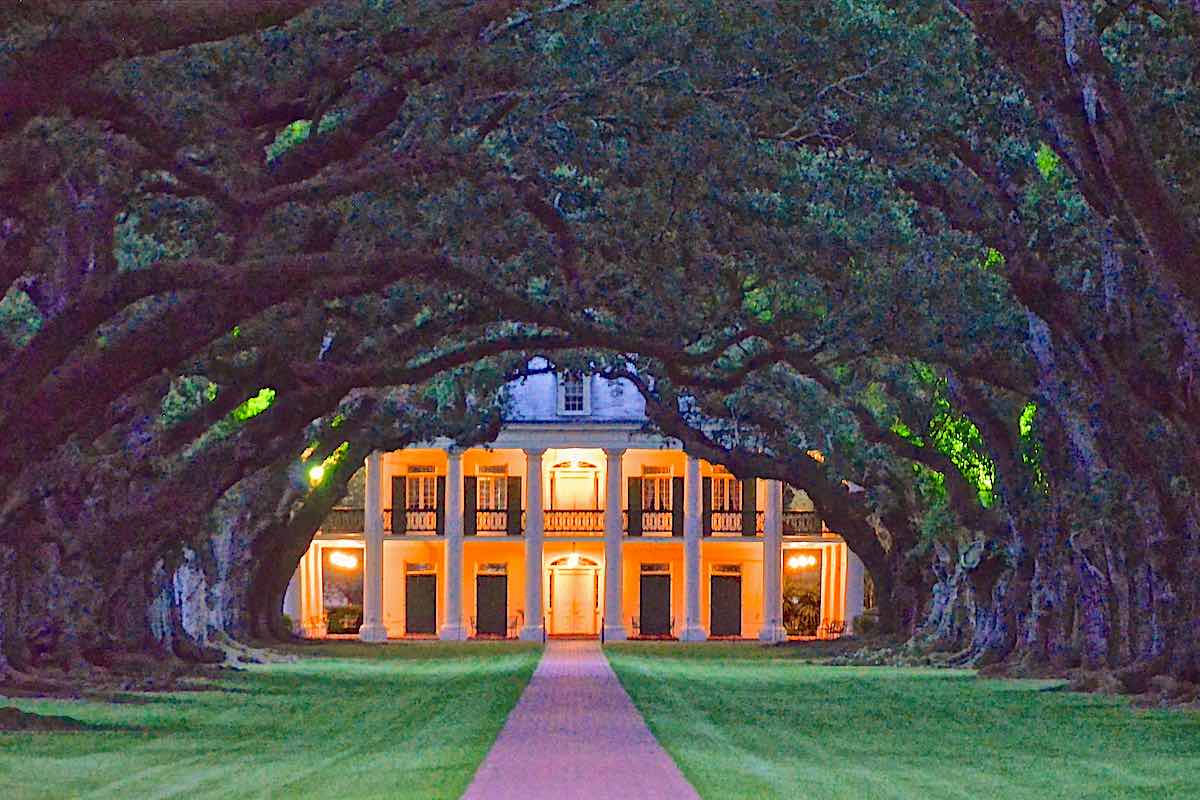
x=575, y=733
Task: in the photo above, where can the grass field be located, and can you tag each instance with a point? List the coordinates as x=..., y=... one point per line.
x=741, y=723
x=346, y=720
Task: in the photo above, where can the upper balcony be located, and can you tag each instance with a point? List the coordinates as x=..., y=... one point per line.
x=569, y=523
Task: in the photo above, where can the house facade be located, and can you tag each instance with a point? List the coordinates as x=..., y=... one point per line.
x=575, y=521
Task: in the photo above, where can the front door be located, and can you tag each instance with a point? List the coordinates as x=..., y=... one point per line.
x=573, y=602
x=725, y=605
x=655, y=605
x=420, y=604
x=491, y=605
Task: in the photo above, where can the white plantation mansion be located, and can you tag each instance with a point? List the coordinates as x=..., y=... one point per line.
x=573, y=522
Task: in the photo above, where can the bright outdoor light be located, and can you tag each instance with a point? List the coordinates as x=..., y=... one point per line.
x=343, y=560
x=798, y=561
x=316, y=474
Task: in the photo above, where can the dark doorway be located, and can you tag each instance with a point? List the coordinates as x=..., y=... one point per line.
x=420, y=604
x=725, y=605
x=491, y=605
x=655, y=605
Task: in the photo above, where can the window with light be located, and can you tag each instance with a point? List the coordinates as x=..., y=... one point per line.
x=421, y=488
x=656, y=489
x=492, y=489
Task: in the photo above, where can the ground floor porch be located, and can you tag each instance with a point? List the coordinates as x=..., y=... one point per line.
x=639, y=588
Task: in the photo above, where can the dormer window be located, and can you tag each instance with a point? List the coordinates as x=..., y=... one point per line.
x=573, y=395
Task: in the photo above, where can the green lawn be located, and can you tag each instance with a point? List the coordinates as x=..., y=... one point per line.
x=347, y=720
x=741, y=723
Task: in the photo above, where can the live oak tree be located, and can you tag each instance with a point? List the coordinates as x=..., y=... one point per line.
x=945, y=252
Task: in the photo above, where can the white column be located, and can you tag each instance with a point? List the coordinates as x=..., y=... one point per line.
x=854, y=588
x=372, y=629
x=452, y=627
x=614, y=611
x=310, y=594
x=693, y=631
x=533, y=629
x=291, y=600
x=772, y=590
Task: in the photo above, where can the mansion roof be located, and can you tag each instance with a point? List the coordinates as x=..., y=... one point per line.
x=535, y=399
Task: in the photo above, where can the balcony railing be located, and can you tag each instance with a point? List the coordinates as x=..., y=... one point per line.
x=343, y=520
x=417, y=521
x=655, y=523
x=574, y=522
x=801, y=523
x=490, y=522
x=729, y=523
x=569, y=522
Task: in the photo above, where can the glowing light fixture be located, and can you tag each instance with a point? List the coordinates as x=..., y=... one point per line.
x=316, y=474
x=339, y=558
x=573, y=560
x=800, y=561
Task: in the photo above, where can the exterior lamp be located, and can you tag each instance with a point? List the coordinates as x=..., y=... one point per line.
x=344, y=560
x=316, y=474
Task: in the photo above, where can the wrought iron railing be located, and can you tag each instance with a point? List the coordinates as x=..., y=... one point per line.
x=491, y=521
x=801, y=523
x=574, y=522
x=419, y=521
x=343, y=520
x=657, y=523
x=729, y=523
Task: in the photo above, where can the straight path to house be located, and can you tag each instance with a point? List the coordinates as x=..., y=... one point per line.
x=575, y=733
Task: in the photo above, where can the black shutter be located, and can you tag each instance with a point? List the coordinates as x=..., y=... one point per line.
x=399, y=518
x=706, y=507
x=677, y=506
x=749, y=507
x=635, y=506
x=514, y=506
x=440, y=513
x=470, y=493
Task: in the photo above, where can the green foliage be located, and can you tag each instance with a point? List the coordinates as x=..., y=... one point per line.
x=956, y=437
x=904, y=432
x=253, y=406
x=294, y=134
x=19, y=318
x=993, y=259
x=1031, y=445
x=187, y=394
x=1047, y=161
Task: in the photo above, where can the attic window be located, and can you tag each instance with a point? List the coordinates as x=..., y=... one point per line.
x=573, y=395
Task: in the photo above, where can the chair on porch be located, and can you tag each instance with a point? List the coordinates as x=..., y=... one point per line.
x=832, y=629
x=514, y=624
x=635, y=624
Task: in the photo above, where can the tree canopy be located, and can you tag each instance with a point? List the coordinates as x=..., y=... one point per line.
x=942, y=252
